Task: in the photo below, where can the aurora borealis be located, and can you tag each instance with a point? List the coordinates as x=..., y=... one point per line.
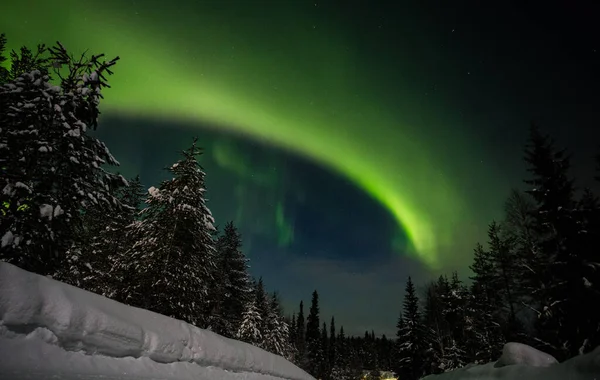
x=404, y=119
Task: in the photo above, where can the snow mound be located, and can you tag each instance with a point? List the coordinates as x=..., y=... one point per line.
x=36, y=311
x=519, y=361
x=518, y=353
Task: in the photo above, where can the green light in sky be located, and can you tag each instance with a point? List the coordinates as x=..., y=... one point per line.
x=286, y=231
x=302, y=88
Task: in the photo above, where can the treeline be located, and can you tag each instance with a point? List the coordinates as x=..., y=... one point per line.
x=535, y=282
x=327, y=353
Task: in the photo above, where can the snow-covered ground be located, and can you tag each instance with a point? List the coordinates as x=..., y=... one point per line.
x=521, y=362
x=52, y=330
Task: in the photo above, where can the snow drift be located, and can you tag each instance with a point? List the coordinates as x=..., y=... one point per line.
x=41, y=317
x=519, y=361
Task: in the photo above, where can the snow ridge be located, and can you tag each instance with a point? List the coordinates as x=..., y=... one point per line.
x=519, y=361
x=40, y=308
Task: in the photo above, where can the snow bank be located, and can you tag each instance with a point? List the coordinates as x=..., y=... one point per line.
x=36, y=311
x=31, y=359
x=519, y=361
x=518, y=353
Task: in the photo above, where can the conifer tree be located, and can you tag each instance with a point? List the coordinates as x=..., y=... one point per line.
x=293, y=336
x=231, y=287
x=263, y=307
x=300, y=344
x=436, y=329
x=332, y=344
x=249, y=330
x=505, y=277
x=276, y=335
x=313, y=336
x=53, y=169
x=169, y=267
x=410, y=335
x=341, y=367
x=385, y=353
x=560, y=304
x=3, y=70
x=588, y=219
x=325, y=368
x=92, y=262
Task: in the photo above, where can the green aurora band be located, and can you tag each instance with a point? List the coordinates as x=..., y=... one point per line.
x=295, y=83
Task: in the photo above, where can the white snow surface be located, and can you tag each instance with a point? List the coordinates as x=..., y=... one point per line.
x=522, y=362
x=49, y=329
x=518, y=353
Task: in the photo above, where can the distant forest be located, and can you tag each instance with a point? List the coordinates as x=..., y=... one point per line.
x=67, y=213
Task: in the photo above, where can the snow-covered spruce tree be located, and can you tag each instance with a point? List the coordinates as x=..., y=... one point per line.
x=232, y=286
x=169, y=267
x=263, y=306
x=410, y=336
x=249, y=330
x=92, y=262
x=276, y=334
x=53, y=169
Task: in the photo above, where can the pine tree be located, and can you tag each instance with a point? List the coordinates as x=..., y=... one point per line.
x=518, y=226
x=410, y=335
x=231, y=287
x=436, y=330
x=332, y=344
x=249, y=330
x=325, y=367
x=454, y=357
x=505, y=277
x=276, y=334
x=455, y=309
x=588, y=220
x=300, y=344
x=169, y=267
x=92, y=262
x=341, y=369
x=313, y=336
x=3, y=70
x=53, y=170
x=263, y=307
x=385, y=350
x=293, y=337
x=484, y=337
x=560, y=303
x=23, y=62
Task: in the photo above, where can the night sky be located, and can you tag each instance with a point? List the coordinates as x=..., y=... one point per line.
x=352, y=142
